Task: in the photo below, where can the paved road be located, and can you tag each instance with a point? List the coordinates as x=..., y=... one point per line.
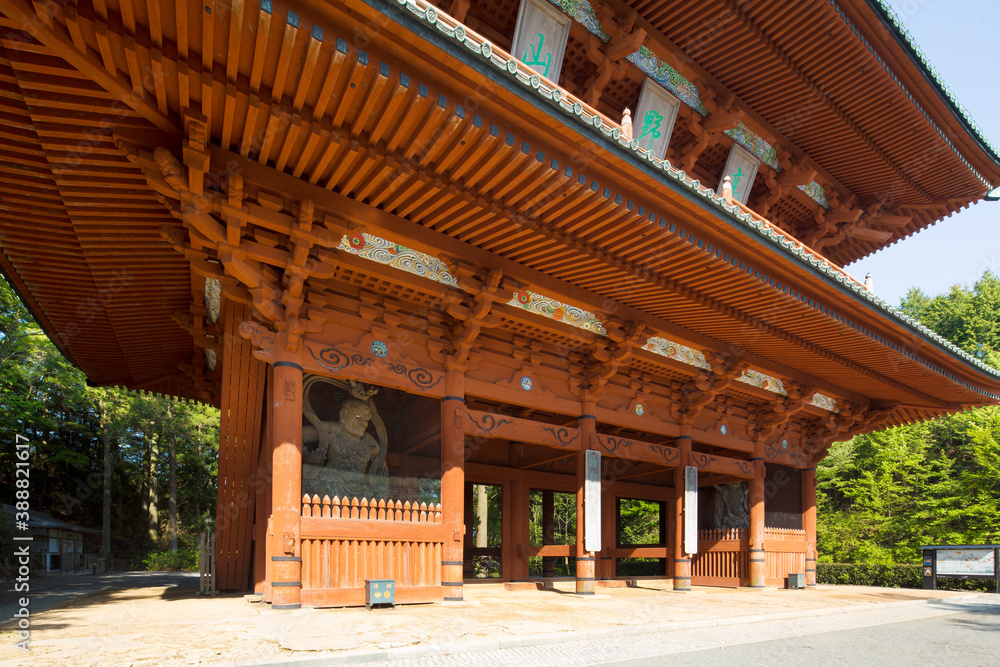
x=971, y=638
x=960, y=632
x=52, y=589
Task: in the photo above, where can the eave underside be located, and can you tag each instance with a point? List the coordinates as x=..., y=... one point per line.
x=854, y=120
x=408, y=161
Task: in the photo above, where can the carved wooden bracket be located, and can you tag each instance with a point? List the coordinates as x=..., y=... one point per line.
x=262, y=339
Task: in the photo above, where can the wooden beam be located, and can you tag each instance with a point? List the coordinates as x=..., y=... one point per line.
x=59, y=41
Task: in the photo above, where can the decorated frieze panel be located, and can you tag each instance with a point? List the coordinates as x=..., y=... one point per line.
x=756, y=144
x=504, y=427
x=825, y=402
x=376, y=362
x=583, y=13
x=722, y=465
x=676, y=351
x=758, y=379
x=558, y=311
x=816, y=192
x=773, y=384
x=665, y=75
x=785, y=451
x=636, y=450
x=540, y=37
x=377, y=249
x=355, y=435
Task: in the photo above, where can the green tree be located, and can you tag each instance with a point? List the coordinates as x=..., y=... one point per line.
x=883, y=495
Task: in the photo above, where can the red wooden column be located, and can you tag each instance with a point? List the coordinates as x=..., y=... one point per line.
x=585, y=561
x=809, y=522
x=548, y=531
x=521, y=529
x=452, y=485
x=262, y=507
x=286, y=494
x=682, y=560
x=756, y=501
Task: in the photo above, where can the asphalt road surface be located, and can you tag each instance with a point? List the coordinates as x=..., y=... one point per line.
x=52, y=589
x=964, y=639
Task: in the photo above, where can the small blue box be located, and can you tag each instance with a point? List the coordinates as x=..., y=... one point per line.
x=380, y=591
x=796, y=581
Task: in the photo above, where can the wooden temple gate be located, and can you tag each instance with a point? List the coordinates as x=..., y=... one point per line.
x=401, y=261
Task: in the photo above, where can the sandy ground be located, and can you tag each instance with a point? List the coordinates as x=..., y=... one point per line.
x=172, y=626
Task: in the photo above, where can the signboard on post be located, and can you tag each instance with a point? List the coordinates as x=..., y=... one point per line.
x=977, y=561
x=966, y=562
x=690, y=510
x=592, y=502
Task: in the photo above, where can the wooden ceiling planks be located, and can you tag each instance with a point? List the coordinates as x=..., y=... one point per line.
x=853, y=120
x=328, y=114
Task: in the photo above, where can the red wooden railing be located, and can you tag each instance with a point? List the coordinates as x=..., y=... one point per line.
x=784, y=554
x=346, y=541
x=723, y=557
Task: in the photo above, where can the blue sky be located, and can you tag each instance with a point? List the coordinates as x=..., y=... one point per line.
x=961, y=40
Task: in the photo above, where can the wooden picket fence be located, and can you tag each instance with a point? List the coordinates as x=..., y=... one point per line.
x=723, y=557
x=345, y=541
x=784, y=554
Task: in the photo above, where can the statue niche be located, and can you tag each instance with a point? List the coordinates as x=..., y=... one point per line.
x=731, y=506
x=343, y=458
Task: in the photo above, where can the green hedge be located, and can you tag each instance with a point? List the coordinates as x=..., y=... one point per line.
x=182, y=559
x=891, y=576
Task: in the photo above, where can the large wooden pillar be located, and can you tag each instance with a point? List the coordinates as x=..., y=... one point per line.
x=682, y=560
x=756, y=502
x=585, y=560
x=262, y=508
x=286, y=498
x=809, y=522
x=452, y=485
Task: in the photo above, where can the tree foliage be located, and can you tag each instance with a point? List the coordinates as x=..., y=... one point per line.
x=883, y=495
x=47, y=400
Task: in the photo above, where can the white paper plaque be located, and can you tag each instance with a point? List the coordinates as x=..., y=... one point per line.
x=654, y=118
x=540, y=37
x=690, y=510
x=592, y=502
x=742, y=168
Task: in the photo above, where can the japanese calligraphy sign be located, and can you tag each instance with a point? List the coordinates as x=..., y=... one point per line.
x=654, y=118
x=540, y=37
x=592, y=502
x=742, y=168
x=690, y=509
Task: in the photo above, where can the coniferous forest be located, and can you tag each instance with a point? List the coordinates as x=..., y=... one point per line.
x=157, y=455
x=881, y=496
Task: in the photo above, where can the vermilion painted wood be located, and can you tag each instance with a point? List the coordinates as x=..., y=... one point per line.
x=809, y=522
x=756, y=534
x=356, y=597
